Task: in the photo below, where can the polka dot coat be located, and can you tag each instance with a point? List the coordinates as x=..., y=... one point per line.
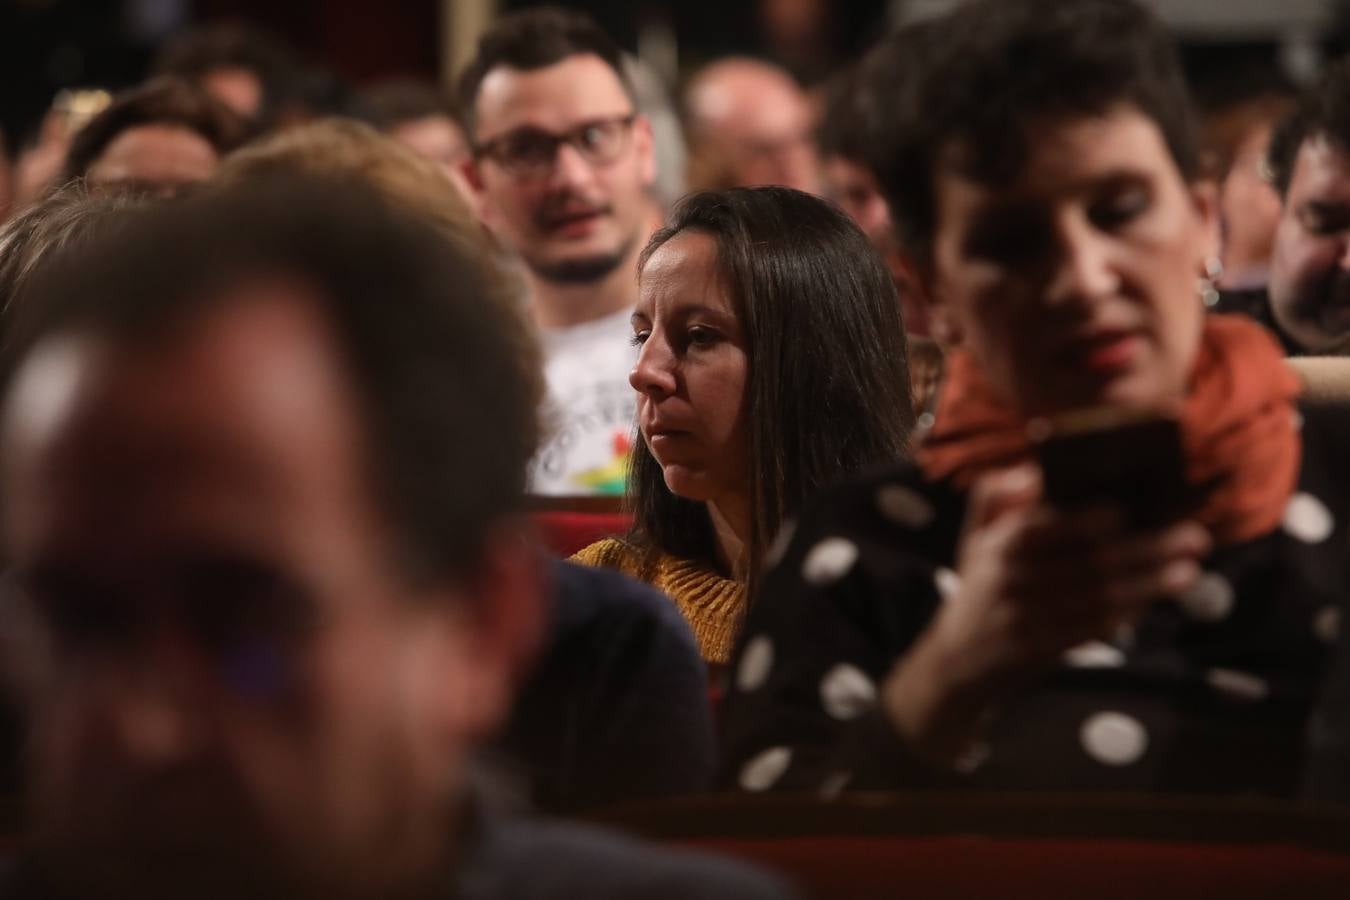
x=1209, y=692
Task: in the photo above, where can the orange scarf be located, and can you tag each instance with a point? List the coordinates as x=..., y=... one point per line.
x=1236, y=426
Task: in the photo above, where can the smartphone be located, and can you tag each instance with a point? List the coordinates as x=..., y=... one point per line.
x=1112, y=457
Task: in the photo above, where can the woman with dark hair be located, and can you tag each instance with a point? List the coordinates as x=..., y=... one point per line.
x=772, y=364
x=1117, y=561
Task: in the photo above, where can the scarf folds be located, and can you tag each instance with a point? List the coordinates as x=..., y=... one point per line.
x=1238, y=429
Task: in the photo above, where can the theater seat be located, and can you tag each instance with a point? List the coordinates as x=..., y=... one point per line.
x=567, y=524
x=1326, y=380
x=944, y=845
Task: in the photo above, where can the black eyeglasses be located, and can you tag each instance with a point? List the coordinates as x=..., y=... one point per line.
x=533, y=151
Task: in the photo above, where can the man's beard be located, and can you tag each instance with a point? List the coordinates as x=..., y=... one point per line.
x=580, y=270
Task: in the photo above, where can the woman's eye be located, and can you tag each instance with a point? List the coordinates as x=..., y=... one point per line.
x=639, y=338
x=1120, y=209
x=699, y=335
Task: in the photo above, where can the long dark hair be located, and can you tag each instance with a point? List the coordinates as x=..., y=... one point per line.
x=828, y=388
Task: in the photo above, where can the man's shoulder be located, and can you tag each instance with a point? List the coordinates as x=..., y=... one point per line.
x=538, y=860
x=593, y=590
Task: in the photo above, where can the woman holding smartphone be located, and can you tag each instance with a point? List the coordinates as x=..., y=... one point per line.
x=947, y=623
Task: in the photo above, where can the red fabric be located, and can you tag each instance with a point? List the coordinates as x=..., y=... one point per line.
x=853, y=868
x=564, y=533
x=1236, y=425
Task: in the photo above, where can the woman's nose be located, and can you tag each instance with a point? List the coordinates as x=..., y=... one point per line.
x=654, y=373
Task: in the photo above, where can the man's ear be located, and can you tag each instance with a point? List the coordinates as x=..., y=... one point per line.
x=644, y=145
x=1205, y=201
x=473, y=176
x=506, y=616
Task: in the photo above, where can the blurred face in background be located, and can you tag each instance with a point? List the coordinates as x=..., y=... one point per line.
x=1310, y=271
x=163, y=157
x=440, y=140
x=854, y=187
x=751, y=125
x=692, y=371
x=234, y=691
x=238, y=88
x=576, y=209
x=1074, y=285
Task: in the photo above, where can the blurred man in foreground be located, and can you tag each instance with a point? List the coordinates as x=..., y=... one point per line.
x=268, y=589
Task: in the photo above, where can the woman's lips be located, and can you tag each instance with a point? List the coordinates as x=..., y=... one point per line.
x=1104, y=353
x=577, y=224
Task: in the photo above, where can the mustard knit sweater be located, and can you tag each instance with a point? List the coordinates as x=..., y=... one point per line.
x=710, y=603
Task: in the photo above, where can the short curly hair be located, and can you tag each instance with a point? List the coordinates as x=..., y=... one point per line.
x=1322, y=111
x=983, y=77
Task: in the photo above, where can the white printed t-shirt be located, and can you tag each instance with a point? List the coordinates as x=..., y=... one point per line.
x=588, y=422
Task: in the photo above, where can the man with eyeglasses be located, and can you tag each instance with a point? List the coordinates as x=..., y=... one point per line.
x=563, y=163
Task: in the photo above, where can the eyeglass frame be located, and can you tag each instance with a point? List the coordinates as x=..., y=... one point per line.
x=489, y=149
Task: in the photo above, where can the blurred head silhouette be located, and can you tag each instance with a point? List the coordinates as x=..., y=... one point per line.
x=262, y=449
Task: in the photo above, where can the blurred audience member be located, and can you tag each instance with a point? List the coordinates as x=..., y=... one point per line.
x=250, y=71
x=1237, y=136
x=772, y=364
x=654, y=101
x=749, y=123
x=161, y=136
x=636, y=722
x=1309, y=291
x=37, y=168
x=419, y=116
x=926, y=363
x=270, y=593
x=846, y=126
x=563, y=164
x=60, y=223
x=1150, y=607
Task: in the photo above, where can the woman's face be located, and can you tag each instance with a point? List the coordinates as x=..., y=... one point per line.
x=1075, y=284
x=691, y=371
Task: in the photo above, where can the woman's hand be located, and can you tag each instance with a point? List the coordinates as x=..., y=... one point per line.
x=1034, y=582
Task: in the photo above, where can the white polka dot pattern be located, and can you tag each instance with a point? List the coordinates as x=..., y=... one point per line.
x=1114, y=739
x=948, y=583
x=905, y=507
x=972, y=759
x=763, y=770
x=1307, y=519
x=846, y=692
x=834, y=785
x=756, y=663
x=829, y=561
x=1209, y=600
x=1327, y=624
x=1095, y=655
x=1238, y=685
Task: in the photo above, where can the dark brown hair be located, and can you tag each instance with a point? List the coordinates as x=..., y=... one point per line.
x=62, y=221
x=387, y=104
x=163, y=101
x=534, y=39
x=448, y=412
x=1322, y=111
x=983, y=78
x=828, y=387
